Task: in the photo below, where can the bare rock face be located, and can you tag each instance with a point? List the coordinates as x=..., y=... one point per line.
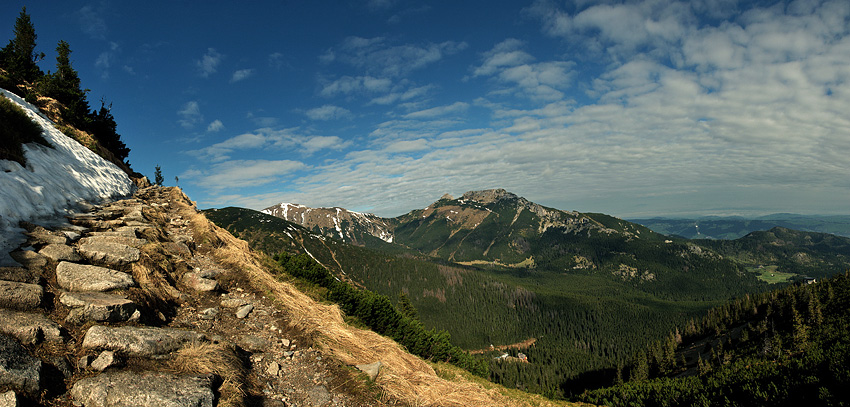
x=139, y=341
x=79, y=277
x=126, y=238
x=20, y=296
x=29, y=328
x=199, y=282
x=371, y=369
x=95, y=306
x=18, y=369
x=126, y=389
x=488, y=195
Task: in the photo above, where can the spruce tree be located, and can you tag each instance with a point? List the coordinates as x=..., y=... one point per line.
x=19, y=57
x=157, y=176
x=64, y=86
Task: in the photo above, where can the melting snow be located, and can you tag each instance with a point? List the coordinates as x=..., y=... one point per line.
x=54, y=180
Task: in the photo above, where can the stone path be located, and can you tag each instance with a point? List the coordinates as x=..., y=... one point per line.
x=120, y=307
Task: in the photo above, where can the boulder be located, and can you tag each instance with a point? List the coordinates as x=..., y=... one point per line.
x=42, y=236
x=60, y=252
x=18, y=274
x=79, y=277
x=18, y=369
x=139, y=341
x=29, y=328
x=233, y=302
x=20, y=296
x=253, y=343
x=96, y=306
x=9, y=399
x=243, y=311
x=105, y=360
x=115, y=254
x=371, y=369
x=146, y=389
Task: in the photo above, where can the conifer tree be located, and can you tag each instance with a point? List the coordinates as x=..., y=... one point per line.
x=64, y=86
x=19, y=57
x=157, y=176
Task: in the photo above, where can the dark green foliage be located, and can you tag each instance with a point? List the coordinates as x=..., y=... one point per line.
x=157, y=174
x=19, y=57
x=783, y=348
x=103, y=127
x=379, y=314
x=64, y=86
x=16, y=129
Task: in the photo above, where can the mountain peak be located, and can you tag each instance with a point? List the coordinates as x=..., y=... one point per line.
x=488, y=196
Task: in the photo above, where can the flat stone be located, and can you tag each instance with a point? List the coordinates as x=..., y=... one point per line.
x=9, y=399
x=371, y=369
x=177, y=249
x=96, y=306
x=115, y=254
x=139, y=341
x=197, y=283
x=29, y=259
x=42, y=236
x=319, y=396
x=146, y=389
x=105, y=360
x=123, y=231
x=80, y=277
x=20, y=296
x=60, y=252
x=18, y=274
x=243, y=311
x=273, y=369
x=123, y=239
x=29, y=328
x=209, y=313
x=18, y=369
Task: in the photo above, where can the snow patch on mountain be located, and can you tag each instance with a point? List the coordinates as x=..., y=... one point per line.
x=54, y=180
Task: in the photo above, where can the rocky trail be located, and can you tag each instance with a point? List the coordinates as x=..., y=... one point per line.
x=122, y=306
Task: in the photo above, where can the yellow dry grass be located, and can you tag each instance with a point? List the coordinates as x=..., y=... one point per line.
x=207, y=358
x=404, y=377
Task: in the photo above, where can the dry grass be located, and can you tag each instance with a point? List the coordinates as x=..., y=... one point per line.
x=218, y=360
x=404, y=377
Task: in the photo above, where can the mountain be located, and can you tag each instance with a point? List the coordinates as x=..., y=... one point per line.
x=735, y=227
x=353, y=227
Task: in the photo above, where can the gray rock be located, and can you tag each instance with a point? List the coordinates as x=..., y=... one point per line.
x=244, y=310
x=79, y=277
x=147, y=389
x=233, y=302
x=84, y=362
x=139, y=341
x=18, y=369
x=209, y=313
x=123, y=238
x=285, y=342
x=96, y=306
x=60, y=252
x=21, y=296
x=212, y=273
x=319, y=396
x=18, y=274
x=105, y=360
x=115, y=254
x=178, y=249
x=29, y=259
x=63, y=366
x=371, y=369
x=122, y=231
x=72, y=236
x=29, y=328
x=9, y=399
x=197, y=283
x=253, y=343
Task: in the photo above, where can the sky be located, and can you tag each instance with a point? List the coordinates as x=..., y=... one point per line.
x=630, y=108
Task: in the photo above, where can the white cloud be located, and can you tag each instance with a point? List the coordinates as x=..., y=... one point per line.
x=376, y=56
x=208, y=64
x=190, y=115
x=347, y=85
x=241, y=74
x=328, y=112
x=433, y=112
x=239, y=173
x=269, y=140
x=513, y=67
x=215, y=126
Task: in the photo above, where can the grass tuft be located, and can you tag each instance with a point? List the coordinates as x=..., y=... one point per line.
x=17, y=129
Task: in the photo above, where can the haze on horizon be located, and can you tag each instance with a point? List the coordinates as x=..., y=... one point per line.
x=631, y=108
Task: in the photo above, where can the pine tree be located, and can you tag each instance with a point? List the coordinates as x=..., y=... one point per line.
x=64, y=86
x=157, y=176
x=19, y=57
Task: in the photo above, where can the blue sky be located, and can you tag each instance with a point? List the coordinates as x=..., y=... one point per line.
x=635, y=108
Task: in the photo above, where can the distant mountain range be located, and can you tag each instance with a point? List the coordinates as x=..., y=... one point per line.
x=733, y=227
x=491, y=267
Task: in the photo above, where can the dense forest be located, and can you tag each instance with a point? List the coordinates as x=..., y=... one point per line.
x=59, y=94
x=780, y=348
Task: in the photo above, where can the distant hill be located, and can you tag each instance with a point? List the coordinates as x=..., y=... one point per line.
x=735, y=227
